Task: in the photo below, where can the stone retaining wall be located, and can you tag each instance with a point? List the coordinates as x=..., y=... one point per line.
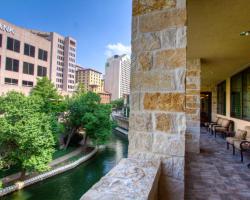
x=130, y=179
x=122, y=122
x=46, y=175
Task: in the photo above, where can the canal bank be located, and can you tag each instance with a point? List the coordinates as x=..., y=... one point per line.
x=73, y=184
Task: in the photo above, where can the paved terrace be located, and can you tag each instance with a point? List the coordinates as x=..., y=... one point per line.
x=215, y=173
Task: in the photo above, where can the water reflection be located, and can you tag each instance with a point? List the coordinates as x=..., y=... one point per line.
x=71, y=185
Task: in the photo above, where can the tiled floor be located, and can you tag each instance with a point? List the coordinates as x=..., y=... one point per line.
x=215, y=173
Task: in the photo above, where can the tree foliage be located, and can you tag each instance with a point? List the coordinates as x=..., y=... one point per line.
x=81, y=89
x=26, y=137
x=117, y=104
x=86, y=111
x=46, y=90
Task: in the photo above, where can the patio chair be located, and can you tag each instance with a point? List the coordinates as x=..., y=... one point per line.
x=206, y=124
x=240, y=135
x=244, y=144
x=223, y=128
x=219, y=122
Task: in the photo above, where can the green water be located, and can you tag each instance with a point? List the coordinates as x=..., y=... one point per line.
x=73, y=184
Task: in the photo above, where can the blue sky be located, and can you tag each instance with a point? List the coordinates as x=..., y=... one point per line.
x=101, y=27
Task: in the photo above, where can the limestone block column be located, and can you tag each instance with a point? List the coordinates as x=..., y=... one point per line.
x=157, y=122
x=193, y=88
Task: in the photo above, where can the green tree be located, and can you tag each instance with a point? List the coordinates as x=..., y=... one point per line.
x=80, y=89
x=86, y=111
x=26, y=137
x=46, y=90
x=117, y=104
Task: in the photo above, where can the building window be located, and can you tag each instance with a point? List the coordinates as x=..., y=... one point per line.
x=41, y=71
x=1, y=40
x=10, y=81
x=12, y=65
x=221, y=98
x=240, y=95
x=246, y=94
x=13, y=45
x=236, y=96
x=29, y=50
x=27, y=83
x=42, y=55
x=28, y=68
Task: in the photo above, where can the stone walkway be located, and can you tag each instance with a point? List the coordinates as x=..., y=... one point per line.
x=11, y=178
x=215, y=174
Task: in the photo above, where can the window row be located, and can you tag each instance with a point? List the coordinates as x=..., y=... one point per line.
x=70, y=87
x=58, y=80
x=60, y=58
x=28, y=68
x=60, y=46
x=60, y=69
x=239, y=95
x=60, y=63
x=60, y=41
x=1, y=40
x=13, y=81
x=221, y=98
x=29, y=50
x=59, y=86
x=60, y=52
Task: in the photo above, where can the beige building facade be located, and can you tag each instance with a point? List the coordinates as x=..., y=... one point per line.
x=90, y=78
x=92, y=81
x=26, y=55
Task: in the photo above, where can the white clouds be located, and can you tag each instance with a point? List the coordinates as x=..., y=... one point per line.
x=118, y=48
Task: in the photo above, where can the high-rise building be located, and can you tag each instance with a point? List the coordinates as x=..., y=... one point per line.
x=92, y=81
x=63, y=60
x=90, y=78
x=26, y=55
x=117, y=76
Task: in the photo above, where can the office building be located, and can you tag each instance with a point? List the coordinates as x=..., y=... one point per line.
x=117, y=76
x=26, y=55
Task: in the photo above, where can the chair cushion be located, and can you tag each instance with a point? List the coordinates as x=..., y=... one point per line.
x=216, y=119
x=247, y=128
x=220, y=120
x=220, y=128
x=244, y=145
x=237, y=144
x=240, y=134
x=225, y=123
x=231, y=140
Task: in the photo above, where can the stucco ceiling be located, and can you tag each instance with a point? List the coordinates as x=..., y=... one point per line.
x=214, y=28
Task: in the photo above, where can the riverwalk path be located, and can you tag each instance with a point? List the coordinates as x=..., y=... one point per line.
x=11, y=178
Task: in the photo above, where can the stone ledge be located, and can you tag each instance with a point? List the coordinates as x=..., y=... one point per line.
x=130, y=179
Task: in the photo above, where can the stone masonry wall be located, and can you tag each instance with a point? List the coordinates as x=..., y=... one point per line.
x=193, y=76
x=157, y=122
